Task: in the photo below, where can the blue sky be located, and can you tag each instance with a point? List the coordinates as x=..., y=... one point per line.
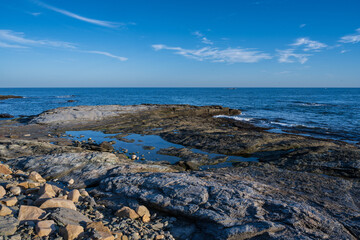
x=168, y=43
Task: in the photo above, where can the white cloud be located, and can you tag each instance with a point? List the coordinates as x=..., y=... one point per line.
x=16, y=37
x=229, y=55
x=302, y=25
x=308, y=44
x=108, y=55
x=81, y=18
x=206, y=41
x=203, y=38
x=11, y=39
x=6, y=45
x=353, y=38
x=288, y=56
x=35, y=13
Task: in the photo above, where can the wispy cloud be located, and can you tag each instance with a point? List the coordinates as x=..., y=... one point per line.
x=229, y=55
x=108, y=55
x=35, y=13
x=302, y=25
x=11, y=39
x=203, y=38
x=352, y=38
x=309, y=45
x=17, y=37
x=6, y=45
x=289, y=56
x=78, y=17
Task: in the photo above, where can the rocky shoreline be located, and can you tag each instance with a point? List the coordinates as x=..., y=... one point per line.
x=300, y=187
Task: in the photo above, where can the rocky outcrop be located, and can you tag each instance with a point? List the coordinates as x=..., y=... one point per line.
x=6, y=115
x=85, y=113
x=87, y=169
x=3, y=97
x=257, y=202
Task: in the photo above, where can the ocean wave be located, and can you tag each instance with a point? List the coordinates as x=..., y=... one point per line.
x=312, y=104
x=65, y=96
x=245, y=119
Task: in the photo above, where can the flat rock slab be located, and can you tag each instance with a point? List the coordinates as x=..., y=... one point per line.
x=85, y=113
x=232, y=205
x=87, y=168
x=68, y=216
x=8, y=225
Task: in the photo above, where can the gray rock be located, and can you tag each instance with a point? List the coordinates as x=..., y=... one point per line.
x=250, y=202
x=8, y=225
x=68, y=216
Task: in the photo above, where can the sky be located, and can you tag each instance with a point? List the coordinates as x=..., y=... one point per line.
x=173, y=43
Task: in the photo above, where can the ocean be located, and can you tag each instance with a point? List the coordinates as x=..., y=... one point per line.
x=332, y=113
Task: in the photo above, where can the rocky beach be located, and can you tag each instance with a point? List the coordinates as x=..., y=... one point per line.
x=55, y=186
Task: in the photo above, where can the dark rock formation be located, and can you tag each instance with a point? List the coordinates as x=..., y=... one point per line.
x=6, y=115
x=3, y=97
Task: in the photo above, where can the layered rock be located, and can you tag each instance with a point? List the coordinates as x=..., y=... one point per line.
x=256, y=201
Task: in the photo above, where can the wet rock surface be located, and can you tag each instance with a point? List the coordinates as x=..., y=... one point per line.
x=301, y=188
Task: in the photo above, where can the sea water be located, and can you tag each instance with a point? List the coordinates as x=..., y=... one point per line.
x=320, y=112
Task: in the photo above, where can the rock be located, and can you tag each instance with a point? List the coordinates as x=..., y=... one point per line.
x=74, y=196
x=48, y=190
x=45, y=228
x=33, y=184
x=67, y=216
x=158, y=237
x=5, y=169
x=106, y=147
x=103, y=231
x=30, y=213
x=43, y=198
x=36, y=177
x=3, y=97
x=145, y=218
x=58, y=203
x=15, y=190
x=249, y=202
x=71, y=232
x=157, y=226
x=126, y=212
x=8, y=225
x=71, y=182
x=6, y=115
x=133, y=157
x=24, y=185
x=84, y=193
x=4, y=211
x=2, y=191
x=9, y=201
x=142, y=211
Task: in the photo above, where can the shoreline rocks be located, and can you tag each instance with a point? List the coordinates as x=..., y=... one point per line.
x=301, y=187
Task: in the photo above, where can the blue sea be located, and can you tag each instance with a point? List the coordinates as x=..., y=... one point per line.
x=320, y=112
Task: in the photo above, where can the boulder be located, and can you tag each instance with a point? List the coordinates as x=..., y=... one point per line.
x=71, y=232
x=58, y=203
x=74, y=195
x=48, y=190
x=9, y=201
x=30, y=213
x=101, y=230
x=15, y=190
x=5, y=169
x=8, y=225
x=2, y=191
x=45, y=228
x=126, y=212
x=4, y=210
x=67, y=216
x=36, y=177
